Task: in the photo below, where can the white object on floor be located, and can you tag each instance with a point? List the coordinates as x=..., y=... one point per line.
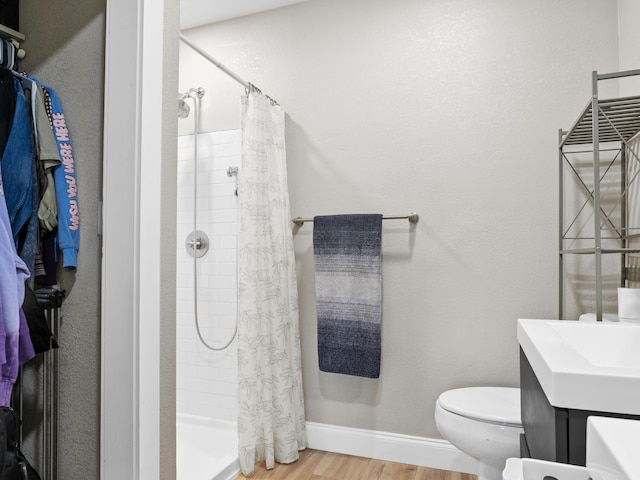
x=529, y=469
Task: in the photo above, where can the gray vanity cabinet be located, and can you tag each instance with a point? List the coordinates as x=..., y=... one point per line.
x=552, y=433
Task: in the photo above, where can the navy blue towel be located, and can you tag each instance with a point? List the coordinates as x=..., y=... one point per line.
x=348, y=262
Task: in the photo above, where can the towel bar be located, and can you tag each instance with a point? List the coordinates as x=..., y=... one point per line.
x=413, y=217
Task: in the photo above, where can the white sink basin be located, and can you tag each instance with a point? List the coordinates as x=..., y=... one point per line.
x=603, y=347
x=583, y=365
x=612, y=447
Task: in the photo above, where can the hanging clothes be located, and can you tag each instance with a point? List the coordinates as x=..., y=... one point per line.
x=38, y=205
x=17, y=162
x=15, y=347
x=57, y=196
x=7, y=107
x=13, y=273
x=48, y=159
x=66, y=187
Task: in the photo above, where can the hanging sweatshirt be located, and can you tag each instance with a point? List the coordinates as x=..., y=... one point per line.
x=66, y=187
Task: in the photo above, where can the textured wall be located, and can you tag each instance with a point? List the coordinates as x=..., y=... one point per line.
x=65, y=49
x=449, y=108
x=628, y=14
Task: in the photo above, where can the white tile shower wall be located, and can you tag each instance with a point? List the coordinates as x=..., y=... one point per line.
x=206, y=381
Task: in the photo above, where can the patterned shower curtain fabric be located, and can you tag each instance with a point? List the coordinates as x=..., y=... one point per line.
x=271, y=421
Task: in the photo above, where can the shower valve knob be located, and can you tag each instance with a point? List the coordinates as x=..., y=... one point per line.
x=197, y=243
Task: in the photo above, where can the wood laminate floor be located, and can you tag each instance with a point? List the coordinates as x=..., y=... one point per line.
x=318, y=465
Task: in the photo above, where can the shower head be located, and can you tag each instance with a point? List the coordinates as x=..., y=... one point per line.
x=183, y=107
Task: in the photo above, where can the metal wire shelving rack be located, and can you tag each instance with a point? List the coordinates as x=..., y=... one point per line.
x=605, y=130
x=39, y=405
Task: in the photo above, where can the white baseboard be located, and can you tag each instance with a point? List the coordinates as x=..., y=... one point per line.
x=230, y=472
x=392, y=447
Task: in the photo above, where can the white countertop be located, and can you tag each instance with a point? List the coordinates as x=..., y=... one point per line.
x=585, y=365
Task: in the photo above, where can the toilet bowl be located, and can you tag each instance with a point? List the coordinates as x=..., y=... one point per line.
x=484, y=423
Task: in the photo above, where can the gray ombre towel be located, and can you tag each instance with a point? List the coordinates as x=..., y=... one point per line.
x=346, y=251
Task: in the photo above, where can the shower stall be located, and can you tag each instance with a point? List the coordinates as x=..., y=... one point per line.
x=221, y=428
x=206, y=297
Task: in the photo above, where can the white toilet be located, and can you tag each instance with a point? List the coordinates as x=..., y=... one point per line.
x=484, y=423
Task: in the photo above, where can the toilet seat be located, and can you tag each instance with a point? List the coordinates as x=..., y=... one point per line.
x=497, y=405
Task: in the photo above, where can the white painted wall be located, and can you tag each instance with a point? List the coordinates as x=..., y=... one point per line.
x=449, y=108
x=628, y=15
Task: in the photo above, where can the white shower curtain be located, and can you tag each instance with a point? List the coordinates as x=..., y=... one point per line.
x=271, y=424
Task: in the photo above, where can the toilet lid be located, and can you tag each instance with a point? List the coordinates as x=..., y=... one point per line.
x=500, y=405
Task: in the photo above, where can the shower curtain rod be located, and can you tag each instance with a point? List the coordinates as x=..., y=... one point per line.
x=218, y=64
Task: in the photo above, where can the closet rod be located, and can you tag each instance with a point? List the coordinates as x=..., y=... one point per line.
x=10, y=33
x=218, y=64
x=413, y=217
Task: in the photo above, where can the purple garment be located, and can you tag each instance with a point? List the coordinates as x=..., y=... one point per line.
x=13, y=273
x=9, y=369
x=25, y=350
x=14, y=358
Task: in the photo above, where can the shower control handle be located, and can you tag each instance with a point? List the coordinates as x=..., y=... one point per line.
x=197, y=243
